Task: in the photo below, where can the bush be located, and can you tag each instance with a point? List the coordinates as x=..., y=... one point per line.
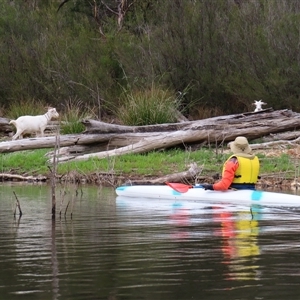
x=26, y=107
x=75, y=112
x=146, y=107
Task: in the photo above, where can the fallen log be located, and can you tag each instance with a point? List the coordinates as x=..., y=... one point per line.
x=107, y=140
x=216, y=131
x=102, y=139
x=5, y=128
x=288, y=135
x=7, y=176
x=94, y=126
x=279, y=143
x=191, y=175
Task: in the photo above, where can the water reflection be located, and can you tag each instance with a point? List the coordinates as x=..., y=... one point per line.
x=239, y=242
x=235, y=229
x=119, y=248
x=54, y=262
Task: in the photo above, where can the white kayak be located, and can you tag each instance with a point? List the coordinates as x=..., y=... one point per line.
x=180, y=191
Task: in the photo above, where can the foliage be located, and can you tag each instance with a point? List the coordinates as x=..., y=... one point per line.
x=276, y=165
x=26, y=107
x=52, y=57
x=74, y=113
x=230, y=53
x=151, y=164
x=227, y=53
x=154, y=106
x=29, y=162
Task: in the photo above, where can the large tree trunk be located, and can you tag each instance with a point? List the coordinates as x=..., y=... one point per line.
x=218, y=131
x=102, y=139
x=93, y=126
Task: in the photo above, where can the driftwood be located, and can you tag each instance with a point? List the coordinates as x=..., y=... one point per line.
x=286, y=136
x=216, y=131
x=70, y=140
x=272, y=144
x=17, y=205
x=94, y=126
x=102, y=140
x=7, y=176
x=5, y=127
x=193, y=173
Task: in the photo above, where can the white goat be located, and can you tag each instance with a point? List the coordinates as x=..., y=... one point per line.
x=258, y=105
x=33, y=124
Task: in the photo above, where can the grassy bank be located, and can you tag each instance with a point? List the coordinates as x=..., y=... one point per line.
x=138, y=166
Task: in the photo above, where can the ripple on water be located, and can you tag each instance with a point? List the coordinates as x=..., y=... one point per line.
x=139, y=249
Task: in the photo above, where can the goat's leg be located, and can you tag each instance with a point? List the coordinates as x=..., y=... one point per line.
x=42, y=133
x=18, y=135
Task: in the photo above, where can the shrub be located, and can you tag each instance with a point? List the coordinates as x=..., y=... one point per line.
x=146, y=107
x=75, y=112
x=26, y=107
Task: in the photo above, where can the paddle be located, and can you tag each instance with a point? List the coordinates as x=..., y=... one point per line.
x=181, y=187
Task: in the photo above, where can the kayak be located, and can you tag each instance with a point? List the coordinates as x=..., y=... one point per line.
x=178, y=191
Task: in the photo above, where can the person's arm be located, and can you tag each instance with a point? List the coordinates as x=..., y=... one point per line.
x=228, y=176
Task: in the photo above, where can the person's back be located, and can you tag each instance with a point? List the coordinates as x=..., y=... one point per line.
x=241, y=169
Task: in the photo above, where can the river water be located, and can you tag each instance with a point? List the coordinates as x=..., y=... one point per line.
x=105, y=247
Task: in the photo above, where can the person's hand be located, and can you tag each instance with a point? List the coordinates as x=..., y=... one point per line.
x=208, y=186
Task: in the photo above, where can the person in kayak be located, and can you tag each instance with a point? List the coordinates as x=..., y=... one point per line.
x=241, y=169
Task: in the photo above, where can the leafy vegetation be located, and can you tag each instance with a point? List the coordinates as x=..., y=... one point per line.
x=26, y=107
x=227, y=53
x=154, y=106
x=140, y=63
x=74, y=113
x=153, y=164
x=24, y=162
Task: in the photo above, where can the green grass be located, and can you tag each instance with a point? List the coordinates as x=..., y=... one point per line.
x=29, y=162
x=75, y=112
x=72, y=115
x=34, y=162
x=154, y=106
x=29, y=107
x=150, y=164
x=282, y=164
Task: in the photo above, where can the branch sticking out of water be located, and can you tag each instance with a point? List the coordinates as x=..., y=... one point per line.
x=17, y=205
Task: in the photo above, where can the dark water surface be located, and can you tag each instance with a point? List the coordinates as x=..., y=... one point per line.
x=116, y=248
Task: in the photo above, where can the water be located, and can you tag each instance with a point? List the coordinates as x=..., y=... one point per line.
x=108, y=247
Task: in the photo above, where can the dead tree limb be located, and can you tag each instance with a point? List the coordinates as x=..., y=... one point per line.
x=193, y=173
x=272, y=144
x=218, y=131
x=7, y=176
x=17, y=205
x=103, y=140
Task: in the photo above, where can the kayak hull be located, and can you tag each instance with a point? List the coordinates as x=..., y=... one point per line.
x=199, y=194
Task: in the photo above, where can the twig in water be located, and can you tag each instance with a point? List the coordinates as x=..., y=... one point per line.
x=67, y=207
x=17, y=205
x=53, y=172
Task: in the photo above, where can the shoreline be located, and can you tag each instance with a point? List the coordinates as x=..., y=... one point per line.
x=112, y=180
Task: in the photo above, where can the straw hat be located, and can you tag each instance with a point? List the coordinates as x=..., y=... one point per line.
x=240, y=145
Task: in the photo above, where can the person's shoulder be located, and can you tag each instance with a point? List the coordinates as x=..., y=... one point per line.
x=233, y=158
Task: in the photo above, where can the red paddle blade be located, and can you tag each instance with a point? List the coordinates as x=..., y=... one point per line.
x=179, y=187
